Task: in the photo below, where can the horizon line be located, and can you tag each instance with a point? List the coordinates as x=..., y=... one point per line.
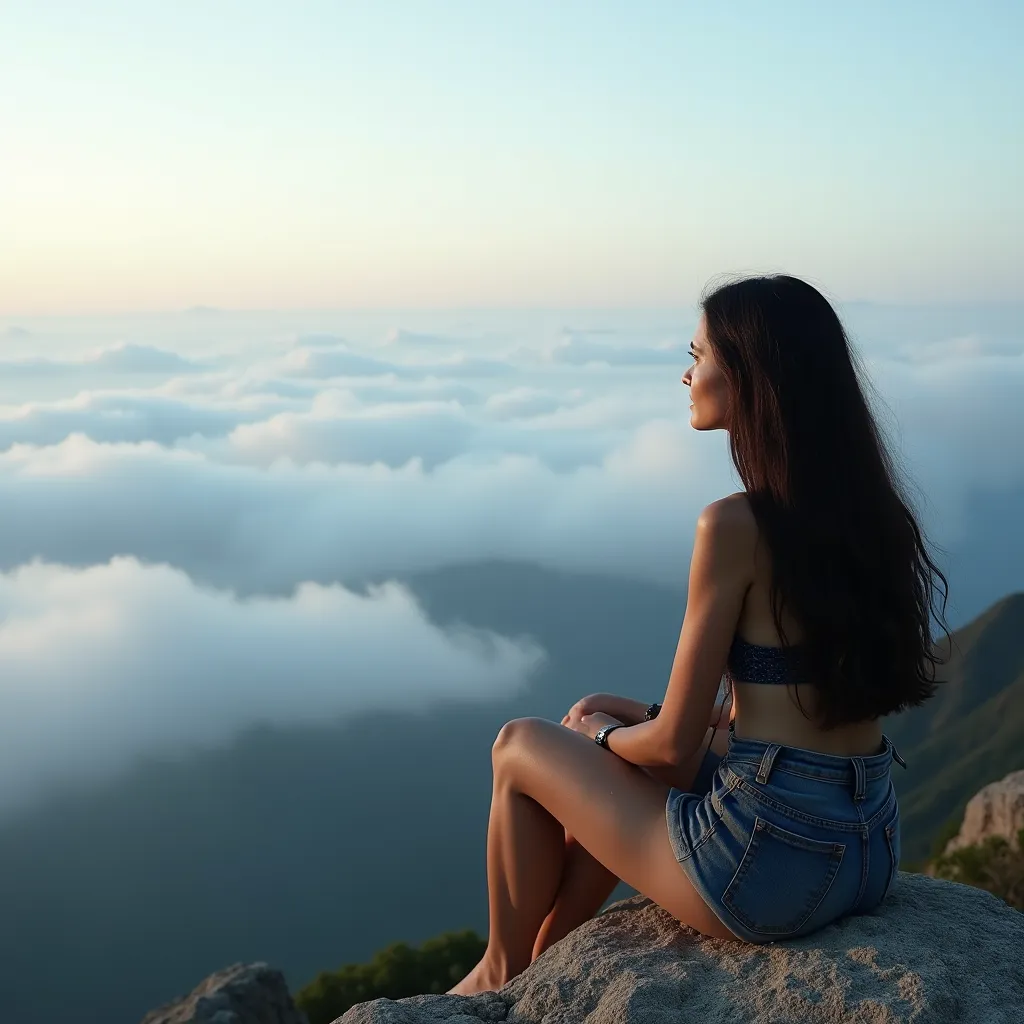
x=200, y=310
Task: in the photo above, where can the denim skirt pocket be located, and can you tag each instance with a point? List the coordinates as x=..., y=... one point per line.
x=781, y=879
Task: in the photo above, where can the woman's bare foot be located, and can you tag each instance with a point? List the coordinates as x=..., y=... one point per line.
x=483, y=978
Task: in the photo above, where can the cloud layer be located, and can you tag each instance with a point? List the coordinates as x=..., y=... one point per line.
x=201, y=503
x=106, y=664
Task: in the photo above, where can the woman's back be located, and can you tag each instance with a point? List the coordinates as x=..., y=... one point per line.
x=770, y=712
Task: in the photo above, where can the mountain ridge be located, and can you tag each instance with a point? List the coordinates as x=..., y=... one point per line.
x=970, y=732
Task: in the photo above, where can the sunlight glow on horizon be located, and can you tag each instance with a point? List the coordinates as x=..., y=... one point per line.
x=589, y=156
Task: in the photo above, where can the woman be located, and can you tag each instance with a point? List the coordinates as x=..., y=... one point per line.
x=811, y=592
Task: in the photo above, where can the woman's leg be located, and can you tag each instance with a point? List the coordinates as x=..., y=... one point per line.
x=548, y=781
x=586, y=883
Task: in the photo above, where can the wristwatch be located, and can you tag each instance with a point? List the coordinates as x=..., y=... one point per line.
x=652, y=712
x=601, y=739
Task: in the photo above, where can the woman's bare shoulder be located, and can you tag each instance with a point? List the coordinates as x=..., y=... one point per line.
x=730, y=520
x=734, y=511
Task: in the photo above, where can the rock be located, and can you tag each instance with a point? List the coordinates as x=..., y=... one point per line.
x=935, y=951
x=240, y=994
x=996, y=810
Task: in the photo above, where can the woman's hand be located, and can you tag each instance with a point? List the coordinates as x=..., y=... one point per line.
x=587, y=725
x=622, y=709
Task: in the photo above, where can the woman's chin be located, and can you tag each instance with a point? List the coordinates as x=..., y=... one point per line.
x=697, y=424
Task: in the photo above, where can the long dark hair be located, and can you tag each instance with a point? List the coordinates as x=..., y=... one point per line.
x=848, y=557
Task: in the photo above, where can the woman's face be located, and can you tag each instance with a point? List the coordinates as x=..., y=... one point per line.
x=709, y=392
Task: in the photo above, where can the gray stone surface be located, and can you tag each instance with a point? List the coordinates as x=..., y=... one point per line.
x=240, y=994
x=934, y=952
x=996, y=810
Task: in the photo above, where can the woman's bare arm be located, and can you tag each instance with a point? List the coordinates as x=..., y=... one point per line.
x=721, y=571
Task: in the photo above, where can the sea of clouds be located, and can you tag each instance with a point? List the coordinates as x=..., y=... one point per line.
x=191, y=501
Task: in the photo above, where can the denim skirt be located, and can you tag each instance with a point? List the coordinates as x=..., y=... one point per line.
x=781, y=841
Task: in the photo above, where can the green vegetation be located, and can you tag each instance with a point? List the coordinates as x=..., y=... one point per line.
x=395, y=972
x=994, y=865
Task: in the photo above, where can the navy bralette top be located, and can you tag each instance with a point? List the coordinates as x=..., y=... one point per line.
x=752, y=663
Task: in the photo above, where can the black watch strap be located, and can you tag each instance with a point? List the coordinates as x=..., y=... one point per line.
x=652, y=712
x=601, y=739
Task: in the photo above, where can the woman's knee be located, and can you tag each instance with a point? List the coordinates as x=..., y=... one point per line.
x=515, y=735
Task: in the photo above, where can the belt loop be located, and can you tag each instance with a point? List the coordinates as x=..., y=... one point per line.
x=859, y=779
x=767, y=760
x=895, y=753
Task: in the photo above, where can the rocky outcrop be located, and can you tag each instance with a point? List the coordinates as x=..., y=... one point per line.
x=935, y=951
x=996, y=810
x=240, y=994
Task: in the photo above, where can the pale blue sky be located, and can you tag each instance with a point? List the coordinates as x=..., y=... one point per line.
x=332, y=155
